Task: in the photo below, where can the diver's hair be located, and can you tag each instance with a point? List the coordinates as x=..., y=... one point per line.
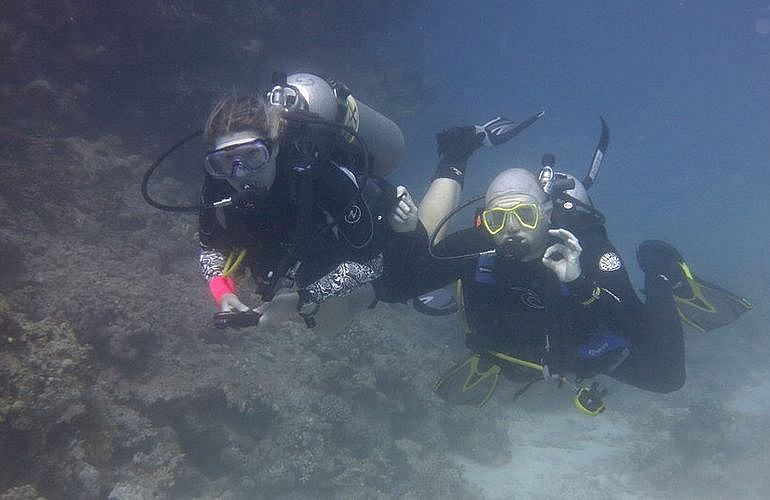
x=238, y=113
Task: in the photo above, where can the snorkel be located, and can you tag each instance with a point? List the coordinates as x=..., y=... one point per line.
x=556, y=186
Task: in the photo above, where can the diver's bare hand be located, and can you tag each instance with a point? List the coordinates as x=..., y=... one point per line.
x=403, y=217
x=563, y=258
x=231, y=302
x=279, y=311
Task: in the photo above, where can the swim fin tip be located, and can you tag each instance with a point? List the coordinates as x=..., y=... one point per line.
x=469, y=382
x=705, y=306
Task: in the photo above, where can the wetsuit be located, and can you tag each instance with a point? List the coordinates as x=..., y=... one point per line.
x=595, y=324
x=313, y=224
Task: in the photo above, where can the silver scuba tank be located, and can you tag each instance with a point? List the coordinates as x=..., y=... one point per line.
x=549, y=177
x=308, y=92
x=579, y=192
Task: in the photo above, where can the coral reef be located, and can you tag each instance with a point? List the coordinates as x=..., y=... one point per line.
x=153, y=65
x=114, y=384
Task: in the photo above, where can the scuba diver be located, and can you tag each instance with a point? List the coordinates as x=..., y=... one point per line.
x=293, y=191
x=542, y=289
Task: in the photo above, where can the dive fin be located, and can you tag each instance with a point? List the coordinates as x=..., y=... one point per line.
x=440, y=302
x=499, y=130
x=467, y=383
x=705, y=306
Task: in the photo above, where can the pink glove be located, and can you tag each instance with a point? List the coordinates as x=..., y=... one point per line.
x=221, y=285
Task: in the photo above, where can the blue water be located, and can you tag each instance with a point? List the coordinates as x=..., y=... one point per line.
x=682, y=84
x=92, y=91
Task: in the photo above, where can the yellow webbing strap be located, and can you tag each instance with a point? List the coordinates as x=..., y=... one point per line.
x=521, y=362
x=595, y=294
x=517, y=361
x=233, y=262
x=580, y=391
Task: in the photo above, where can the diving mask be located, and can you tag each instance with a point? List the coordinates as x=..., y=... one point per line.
x=527, y=215
x=242, y=156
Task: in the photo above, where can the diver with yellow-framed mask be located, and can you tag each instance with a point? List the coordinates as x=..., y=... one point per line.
x=541, y=287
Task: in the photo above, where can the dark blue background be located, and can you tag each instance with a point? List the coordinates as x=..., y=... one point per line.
x=684, y=86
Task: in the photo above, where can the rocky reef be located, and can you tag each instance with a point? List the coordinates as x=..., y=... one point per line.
x=113, y=382
x=150, y=66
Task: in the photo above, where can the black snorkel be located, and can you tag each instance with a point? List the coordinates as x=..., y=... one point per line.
x=557, y=185
x=598, y=157
x=554, y=184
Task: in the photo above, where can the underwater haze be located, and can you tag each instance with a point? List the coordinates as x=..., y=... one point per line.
x=113, y=382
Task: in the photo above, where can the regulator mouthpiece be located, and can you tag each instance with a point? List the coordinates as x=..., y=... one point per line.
x=513, y=248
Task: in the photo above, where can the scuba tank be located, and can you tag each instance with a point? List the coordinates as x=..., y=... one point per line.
x=571, y=203
x=333, y=102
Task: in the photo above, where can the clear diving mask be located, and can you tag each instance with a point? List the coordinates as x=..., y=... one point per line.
x=241, y=157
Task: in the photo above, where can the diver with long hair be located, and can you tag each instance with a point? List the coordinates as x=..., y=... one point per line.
x=294, y=192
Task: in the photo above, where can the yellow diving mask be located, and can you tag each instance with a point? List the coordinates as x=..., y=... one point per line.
x=526, y=214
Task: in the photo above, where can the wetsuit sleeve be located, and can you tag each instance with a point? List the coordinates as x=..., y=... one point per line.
x=211, y=262
x=212, y=235
x=411, y=271
x=604, y=286
x=345, y=278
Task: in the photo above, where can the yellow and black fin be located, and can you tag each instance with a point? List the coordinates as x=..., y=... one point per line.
x=470, y=382
x=705, y=306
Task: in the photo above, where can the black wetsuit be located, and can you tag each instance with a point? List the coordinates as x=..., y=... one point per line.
x=518, y=308
x=314, y=217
